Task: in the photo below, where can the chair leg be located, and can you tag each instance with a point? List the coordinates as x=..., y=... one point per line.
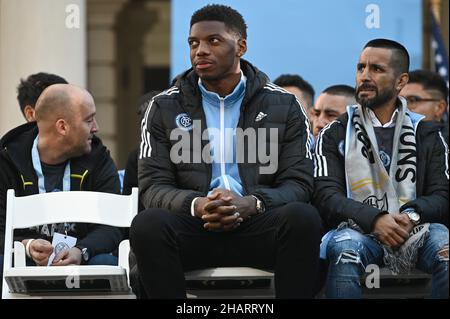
x=5, y=290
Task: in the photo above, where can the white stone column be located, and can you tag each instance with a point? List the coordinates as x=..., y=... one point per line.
x=39, y=36
x=102, y=66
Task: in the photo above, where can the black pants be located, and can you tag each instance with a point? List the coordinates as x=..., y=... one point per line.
x=285, y=239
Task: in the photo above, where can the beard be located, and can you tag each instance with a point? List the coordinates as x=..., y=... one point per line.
x=378, y=100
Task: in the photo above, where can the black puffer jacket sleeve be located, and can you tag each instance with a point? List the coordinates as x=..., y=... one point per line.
x=294, y=180
x=432, y=205
x=330, y=195
x=3, y=191
x=156, y=170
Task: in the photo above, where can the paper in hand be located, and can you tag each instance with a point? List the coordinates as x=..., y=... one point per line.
x=61, y=242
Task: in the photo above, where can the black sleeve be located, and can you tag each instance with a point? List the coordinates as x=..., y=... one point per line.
x=156, y=172
x=6, y=183
x=433, y=205
x=3, y=190
x=130, y=179
x=330, y=195
x=102, y=238
x=294, y=180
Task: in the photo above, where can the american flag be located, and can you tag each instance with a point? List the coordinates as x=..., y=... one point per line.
x=439, y=52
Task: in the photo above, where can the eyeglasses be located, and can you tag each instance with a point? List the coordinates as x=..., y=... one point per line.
x=417, y=99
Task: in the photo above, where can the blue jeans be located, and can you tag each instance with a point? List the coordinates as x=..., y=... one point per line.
x=104, y=259
x=349, y=252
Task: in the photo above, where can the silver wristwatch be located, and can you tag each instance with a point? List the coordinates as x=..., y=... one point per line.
x=413, y=216
x=84, y=254
x=259, y=205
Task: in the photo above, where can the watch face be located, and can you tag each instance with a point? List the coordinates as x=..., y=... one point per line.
x=259, y=206
x=415, y=217
x=85, y=254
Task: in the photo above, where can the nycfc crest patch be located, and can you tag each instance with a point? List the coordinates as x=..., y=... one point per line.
x=385, y=159
x=184, y=122
x=341, y=148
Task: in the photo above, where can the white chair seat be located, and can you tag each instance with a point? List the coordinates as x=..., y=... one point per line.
x=223, y=273
x=66, y=279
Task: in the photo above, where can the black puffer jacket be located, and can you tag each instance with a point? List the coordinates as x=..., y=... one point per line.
x=92, y=172
x=431, y=183
x=173, y=186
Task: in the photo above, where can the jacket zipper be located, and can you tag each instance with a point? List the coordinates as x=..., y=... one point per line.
x=222, y=144
x=204, y=143
x=241, y=125
x=8, y=157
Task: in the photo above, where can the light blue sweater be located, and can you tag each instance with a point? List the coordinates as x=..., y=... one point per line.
x=222, y=117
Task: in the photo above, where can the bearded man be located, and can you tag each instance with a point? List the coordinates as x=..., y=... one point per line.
x=381, y=176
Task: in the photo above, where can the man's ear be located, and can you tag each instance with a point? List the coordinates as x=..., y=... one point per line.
x=28, y=113
x=439, y=109
x=62, y=127
x=242, y=47
x=402, y=81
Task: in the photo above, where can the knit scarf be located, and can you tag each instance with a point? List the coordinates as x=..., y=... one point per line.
x=369, y=182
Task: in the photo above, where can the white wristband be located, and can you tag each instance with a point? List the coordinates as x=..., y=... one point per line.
x=27, y=248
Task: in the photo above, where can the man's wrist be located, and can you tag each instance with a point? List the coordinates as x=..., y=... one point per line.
x=376, y=218
x=412, y=214
x=27, y=248
x=259, y=205
x=193, y=206
x=84, y=253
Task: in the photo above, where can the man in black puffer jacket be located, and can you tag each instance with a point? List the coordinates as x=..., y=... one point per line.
x=201, y=190
x=382, y=181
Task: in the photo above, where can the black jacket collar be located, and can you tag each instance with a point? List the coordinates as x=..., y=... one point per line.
x=188, y=84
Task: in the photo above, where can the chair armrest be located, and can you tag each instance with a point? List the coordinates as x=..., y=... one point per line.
x=19, y=254
x=124, y=251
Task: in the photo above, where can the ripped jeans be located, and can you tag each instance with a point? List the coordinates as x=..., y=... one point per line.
x=349, y=252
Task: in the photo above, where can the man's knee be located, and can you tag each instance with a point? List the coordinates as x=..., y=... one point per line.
x=439, y=237
x=346, y=247
x=150, y=223
x=302, y=217
x=104, y=259
x=439, y=233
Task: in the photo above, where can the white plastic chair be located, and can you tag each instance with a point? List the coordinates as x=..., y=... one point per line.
x=58, y=207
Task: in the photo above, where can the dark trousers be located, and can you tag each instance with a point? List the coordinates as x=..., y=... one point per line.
x=285, y=239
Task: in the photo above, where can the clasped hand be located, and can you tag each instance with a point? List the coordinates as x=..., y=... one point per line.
x=392, y=229
x=224, y=210
x=41, y=249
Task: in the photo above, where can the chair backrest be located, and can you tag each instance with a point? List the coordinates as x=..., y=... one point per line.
x=75, y=206
x=58, y=207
